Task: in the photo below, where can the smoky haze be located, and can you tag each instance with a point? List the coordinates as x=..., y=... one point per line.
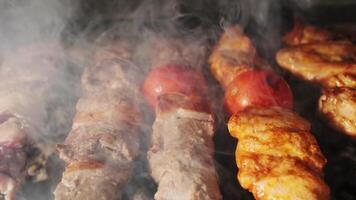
x=45, y=44
x=39, y=80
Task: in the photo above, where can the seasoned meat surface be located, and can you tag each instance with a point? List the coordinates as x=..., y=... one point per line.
x=233, y=54
x=100, y=149
x=321, y=59
x=114, y=109
x=305, y=34
x=91, y=181
x=338, y=106
x=331, y=64
x=277, y=156
x=181, y=156
x=101, y=143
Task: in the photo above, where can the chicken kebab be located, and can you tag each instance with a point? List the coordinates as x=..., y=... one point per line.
x=181, y=157
x=328, y=59
x=277, y=155
x=100, y=149
x=31, y=82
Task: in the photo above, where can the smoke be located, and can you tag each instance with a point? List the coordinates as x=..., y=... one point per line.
x=44, y=44
x=32, y=21
x=179, y=32
x=39, y=79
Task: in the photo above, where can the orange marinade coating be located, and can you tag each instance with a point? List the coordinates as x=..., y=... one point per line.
x=277, y=156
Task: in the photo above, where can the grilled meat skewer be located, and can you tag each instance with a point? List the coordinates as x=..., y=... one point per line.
x=103, y=143
x=277, y=156
x=181, y=157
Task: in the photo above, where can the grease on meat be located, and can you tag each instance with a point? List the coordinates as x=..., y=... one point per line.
x=277, y=156
x=338, y=106
x=331, y=64
x=324, y=60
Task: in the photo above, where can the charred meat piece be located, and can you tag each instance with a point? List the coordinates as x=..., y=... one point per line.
x=277, y=156
x=103, y=143
x=338, y=105
x=181, y=158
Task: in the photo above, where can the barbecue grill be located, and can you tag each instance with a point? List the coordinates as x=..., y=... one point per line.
x=93, y=23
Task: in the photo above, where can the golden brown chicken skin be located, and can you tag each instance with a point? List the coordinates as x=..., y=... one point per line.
x=305, y=34
x=331, y=64
x=338, y=105
x=277, y=156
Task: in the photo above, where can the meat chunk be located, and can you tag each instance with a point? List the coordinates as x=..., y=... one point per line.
x=100, y=149
x=92, y=181
x=277, y=156
x=114, y=109
x=100, y=143
x=306, y=34
x=338, y=106
x=12, y=154
x=181, y=157
x=233, y=54
x=332, y=64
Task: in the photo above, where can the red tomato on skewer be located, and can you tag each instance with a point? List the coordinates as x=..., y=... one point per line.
x=257, y=88
x=173, y=79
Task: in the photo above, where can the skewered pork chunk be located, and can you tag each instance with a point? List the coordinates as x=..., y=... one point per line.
x=182, y=154
x=277, y=156
x=331, y=64
x=103, y=142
